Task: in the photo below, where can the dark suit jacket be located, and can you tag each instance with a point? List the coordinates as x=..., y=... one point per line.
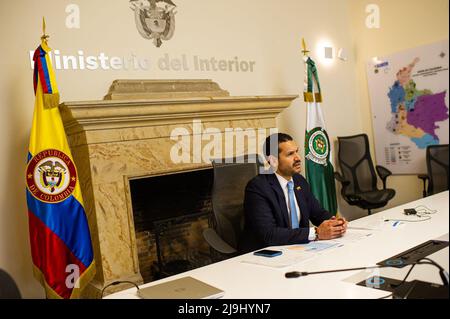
x=267, y=217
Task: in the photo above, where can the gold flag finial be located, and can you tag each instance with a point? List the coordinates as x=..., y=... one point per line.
x=304, y=50
x=44, y=36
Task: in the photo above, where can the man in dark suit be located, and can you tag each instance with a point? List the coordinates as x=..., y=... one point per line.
x=278, y=206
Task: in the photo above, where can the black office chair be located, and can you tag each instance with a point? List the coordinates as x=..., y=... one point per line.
x=8, y=287
x=358, y=179
x=230, y=178
x=437, y=168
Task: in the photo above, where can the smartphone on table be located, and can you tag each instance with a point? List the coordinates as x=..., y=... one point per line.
x=267, y=253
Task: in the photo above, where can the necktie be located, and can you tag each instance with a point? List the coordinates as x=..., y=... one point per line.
x=292, y=207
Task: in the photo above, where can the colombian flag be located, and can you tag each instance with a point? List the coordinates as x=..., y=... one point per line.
x=61, y=245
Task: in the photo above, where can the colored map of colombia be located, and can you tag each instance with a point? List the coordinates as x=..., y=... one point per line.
x=415, y=112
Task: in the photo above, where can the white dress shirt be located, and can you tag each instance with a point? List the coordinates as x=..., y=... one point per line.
x=283, y=183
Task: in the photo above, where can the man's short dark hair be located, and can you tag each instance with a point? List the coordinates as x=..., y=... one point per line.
x=272, y=143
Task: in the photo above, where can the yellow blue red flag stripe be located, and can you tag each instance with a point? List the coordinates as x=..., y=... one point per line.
x=61, y=246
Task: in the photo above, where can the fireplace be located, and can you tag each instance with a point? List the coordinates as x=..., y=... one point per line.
x=170, y=213
x=128, y=137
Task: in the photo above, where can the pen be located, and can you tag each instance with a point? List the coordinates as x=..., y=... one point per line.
x=359, y=228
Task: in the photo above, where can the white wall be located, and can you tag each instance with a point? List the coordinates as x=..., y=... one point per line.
x=267, y=32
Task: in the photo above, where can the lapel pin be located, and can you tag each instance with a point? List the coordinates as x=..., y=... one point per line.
x=298, y=188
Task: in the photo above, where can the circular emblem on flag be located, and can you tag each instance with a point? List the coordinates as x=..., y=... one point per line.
x=51, y=176
x=317, y=146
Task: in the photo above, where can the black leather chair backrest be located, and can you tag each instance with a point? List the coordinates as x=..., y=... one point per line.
x=230, y=178
x=8, y=287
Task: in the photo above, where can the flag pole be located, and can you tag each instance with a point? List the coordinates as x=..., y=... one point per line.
x=44, y=36
x=304, y=50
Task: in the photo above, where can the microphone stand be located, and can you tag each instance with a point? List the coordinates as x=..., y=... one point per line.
x=442, y=272
x=296, y=274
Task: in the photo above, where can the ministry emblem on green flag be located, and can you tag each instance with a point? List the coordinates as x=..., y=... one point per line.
x=317, y=146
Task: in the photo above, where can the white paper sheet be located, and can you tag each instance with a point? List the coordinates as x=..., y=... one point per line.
x=353, y=235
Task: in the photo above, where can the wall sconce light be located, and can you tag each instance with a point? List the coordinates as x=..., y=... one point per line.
x=328, y=52
x=342, y=54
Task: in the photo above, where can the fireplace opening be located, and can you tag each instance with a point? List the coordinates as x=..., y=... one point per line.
x=170, y=213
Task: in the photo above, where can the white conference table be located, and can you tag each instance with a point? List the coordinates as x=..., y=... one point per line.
x=249, y=281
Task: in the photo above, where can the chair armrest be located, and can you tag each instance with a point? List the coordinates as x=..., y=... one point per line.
x=350, y=198
x=341, y=179
x=217, y=243
x=344, y=184
x=424, y=178
x=383, y=172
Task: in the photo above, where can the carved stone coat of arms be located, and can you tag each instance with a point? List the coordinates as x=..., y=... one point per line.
x=155, y=19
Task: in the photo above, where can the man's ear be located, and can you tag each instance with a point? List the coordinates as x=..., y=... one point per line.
x=273, y=161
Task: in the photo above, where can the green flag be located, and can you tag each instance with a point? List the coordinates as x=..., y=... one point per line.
x=319, y=170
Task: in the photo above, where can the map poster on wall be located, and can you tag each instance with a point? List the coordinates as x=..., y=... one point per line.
x=409, y=98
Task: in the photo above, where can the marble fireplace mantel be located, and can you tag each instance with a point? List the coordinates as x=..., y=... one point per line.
x=128, y=135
